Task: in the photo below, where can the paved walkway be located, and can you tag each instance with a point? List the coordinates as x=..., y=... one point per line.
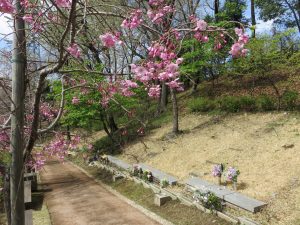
x=75, y=199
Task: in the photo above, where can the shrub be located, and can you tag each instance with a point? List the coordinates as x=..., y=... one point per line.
x=208, y=199
x=164, y=183
x=265, y=103
x=248, y=103
x=202, y=105
x=289, y=100
x=104, y=144
x=230, y=104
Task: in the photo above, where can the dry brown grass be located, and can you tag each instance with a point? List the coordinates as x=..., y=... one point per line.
x=251, y=142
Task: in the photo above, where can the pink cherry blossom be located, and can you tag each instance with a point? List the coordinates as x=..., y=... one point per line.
x=6, y=6
x=47, y=111
x=129, y=84
x=154, y=91
x=201, y=25
x=236, y=49
x=64, y=3
x=4, y=136
x=174, y=84
x=74, y=50
x=37, y=27
x=75, y=100
x=104, y=101
x=109, y=40
x=156, y=15
x=205, y=39
x=28, y=18
x=244, y=52
x=244, y=38
x=90, y=147
x=218, y=46
x=134, y=20
x=238, y=31
x=156, y=2
x=179, y=61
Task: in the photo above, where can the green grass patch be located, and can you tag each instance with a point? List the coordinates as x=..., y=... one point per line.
x=234, y=104
x=202, y=105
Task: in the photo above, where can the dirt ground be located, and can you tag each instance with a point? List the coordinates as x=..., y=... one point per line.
x=264, y=147
x=75, y=199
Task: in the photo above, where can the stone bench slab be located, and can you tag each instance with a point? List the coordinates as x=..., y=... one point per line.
x=203, y=185
x=229, y=196
x=220, y=191
x=198, y=183
x=119, y=163
x=244, y=202
x=159, y=174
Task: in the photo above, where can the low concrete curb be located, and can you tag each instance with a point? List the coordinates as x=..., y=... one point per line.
x=148, y=213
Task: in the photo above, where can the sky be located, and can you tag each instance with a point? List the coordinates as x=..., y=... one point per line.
x=4, y=29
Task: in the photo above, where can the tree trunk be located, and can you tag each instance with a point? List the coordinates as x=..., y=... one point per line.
x=112, y=124
x=163, y=97
x=6, y=196
x=216, y=8
x=253, y=20
x=175, y=112
x=17, y=118
x=105, y=128
x=277, y=92
x=195, y=85
x=68, y=133
x=297, y=20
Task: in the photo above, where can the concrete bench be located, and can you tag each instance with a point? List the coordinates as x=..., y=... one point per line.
x=119, y=163
x=159, y=175
x=245, y=202
x=227, y=195
x=203, y=185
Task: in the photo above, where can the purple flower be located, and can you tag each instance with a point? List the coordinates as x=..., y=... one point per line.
x=232, y=174
x=217, y=170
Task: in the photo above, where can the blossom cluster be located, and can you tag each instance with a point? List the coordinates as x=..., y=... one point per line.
x=109, y=40
x=60, y=146
x=237, y=49
x=6, y=6
x=156, y=15
x=47, y=111
x=108, y=90
x=74, y=50
x=64, y=3
x=134, y=20
x=4, y=140
x=37, y=161
x=163, y=65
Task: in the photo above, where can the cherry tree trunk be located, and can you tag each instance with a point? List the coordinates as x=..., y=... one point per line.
x=17, y=118
x=175, y=129
x=164, y=97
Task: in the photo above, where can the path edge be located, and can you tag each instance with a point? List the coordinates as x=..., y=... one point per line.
x=145, y=211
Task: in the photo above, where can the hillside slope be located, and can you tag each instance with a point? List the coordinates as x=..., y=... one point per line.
x=264, y=147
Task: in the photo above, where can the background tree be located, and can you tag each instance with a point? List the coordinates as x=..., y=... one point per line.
x=283, y=12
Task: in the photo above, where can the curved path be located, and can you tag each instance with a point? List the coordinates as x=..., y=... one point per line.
x=76, y=199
